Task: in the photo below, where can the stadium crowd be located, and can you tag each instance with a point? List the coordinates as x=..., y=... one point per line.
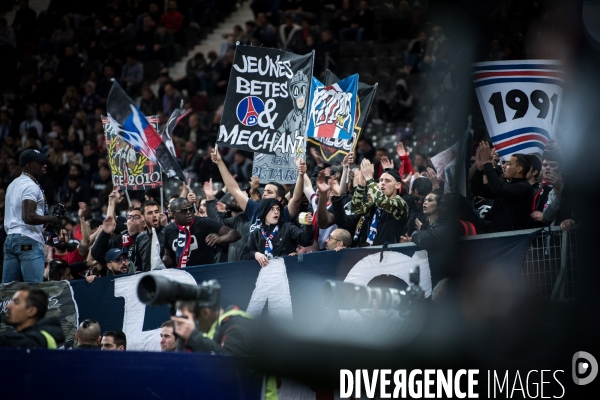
x=63, y=61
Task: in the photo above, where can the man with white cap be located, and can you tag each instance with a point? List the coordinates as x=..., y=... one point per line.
x=26, y=213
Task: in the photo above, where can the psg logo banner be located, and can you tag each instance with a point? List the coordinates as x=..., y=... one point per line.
x=520, y=101
x=266, y=104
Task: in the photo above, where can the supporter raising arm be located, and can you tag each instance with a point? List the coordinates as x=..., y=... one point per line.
x=384, y=210
x=250, y=207
x=275, y=238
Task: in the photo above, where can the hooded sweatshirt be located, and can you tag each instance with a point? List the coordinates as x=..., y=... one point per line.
x=284, y=242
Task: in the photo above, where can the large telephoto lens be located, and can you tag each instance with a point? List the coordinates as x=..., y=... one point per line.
x=156, y=290
x=347, y=296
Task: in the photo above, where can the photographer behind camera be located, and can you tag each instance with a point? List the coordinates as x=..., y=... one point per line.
x=26, y=212
x=211, y=329
x=200, y=322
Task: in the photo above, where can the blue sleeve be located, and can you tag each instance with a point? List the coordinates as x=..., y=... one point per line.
x=286, y=215
x=251, y=209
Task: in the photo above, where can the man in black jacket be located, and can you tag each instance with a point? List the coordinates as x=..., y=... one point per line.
x=108, y=239
x=26, y=313
x=143, y=243
x=512, y=199
x=275, y=238
x=205, y=329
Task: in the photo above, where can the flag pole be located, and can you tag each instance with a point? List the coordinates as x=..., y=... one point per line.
x=127, y=195
x=162, y=207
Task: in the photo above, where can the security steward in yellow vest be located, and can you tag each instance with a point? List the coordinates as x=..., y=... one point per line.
x=224, y=332
x=203, y=329
x=26, y=313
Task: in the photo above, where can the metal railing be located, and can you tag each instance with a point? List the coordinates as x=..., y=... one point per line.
x=550, y=266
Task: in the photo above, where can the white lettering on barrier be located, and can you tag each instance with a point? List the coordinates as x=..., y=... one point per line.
x=272, y=285
x=135, y=310
x=393, y=263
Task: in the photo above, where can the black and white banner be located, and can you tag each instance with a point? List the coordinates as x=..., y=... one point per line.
x=266, y=105
x=520, y=101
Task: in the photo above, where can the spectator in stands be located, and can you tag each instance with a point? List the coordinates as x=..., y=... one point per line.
x=90, y=100
x=272, y=190
x=116, y=261
x=88, y=335
x=197, y=79
x=289, y=35
x=326, y=53
x=364, y=150
x=143, y=243
x=68, y=71
x=190, y=240
x=399, y=106
x=154, y=12
x=164, y=46
x=237, y=220
x=275, y=238
x=384, y=209
x=168, y=340
x=361, y=25
x=25, y=312
x=96, y=48
x=420, y=189
x=222, y=78
x=101, y=184
x=342, y=17
x=104, y=84
x=145, y=39
x=60, y=244
x=8, y=41
x=437, y=51
x=24, y=24
x=172, y=19
x=242, y=166
x=555, y=212
x=107, y=239
x=551, y=171
x=149, y=104
x=396, y=22
x=58, y=270
x=512, y=199
x=74, y=194
x=231, y=39
x=534, y=173
x=132, y=75
x=171, y=99
x=338, y=240
x=428, y=232
x=190, y=159
x=31, y=121
x=5, y=126
x=264, y=31
x=119, y=41
x=114, y=340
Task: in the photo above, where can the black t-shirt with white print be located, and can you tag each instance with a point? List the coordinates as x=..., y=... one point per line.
x=200, y=253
